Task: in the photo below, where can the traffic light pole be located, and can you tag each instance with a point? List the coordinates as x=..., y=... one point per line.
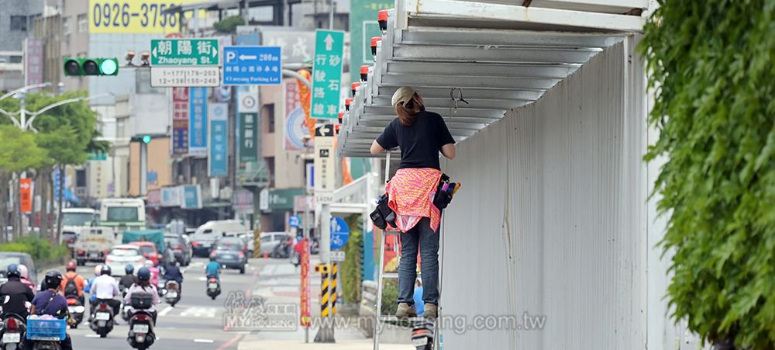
x=143, y=170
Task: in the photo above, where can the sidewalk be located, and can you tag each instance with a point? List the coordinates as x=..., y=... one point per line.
x=344, y=340
x=279, y=283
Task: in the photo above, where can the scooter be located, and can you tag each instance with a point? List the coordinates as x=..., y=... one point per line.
x=124, y=307
x=172, y=295
x=161, y=287
x=295, y=259
x=213, y=287
x=141, y=330
x=102, y=319
x=13, y=331
x=76, y=309
x=422, y=335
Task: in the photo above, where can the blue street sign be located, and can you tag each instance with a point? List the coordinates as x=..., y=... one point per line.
x=56, y=185
x=294, y=221
x=340, y=233
x=252, y=65
x=217, y=159
x=197, y=143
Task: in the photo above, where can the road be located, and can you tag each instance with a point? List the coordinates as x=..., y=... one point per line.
x=196, y=322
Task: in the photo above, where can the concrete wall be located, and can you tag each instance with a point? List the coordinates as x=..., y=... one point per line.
x=552, y=220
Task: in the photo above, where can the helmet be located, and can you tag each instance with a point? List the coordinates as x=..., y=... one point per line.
x=52, y=280
x=212, y=257
x=70, y=266
x=97, y=270
x=144, y=274
x=129, y=269
x=23, y=271
x=13, y=271
x=105, y=270
x=148, y=263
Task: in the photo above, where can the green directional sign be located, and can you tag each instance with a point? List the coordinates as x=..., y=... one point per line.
x=327, y=74
x=184, y=52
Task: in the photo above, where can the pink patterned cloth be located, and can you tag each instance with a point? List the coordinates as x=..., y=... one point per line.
x=411, y=193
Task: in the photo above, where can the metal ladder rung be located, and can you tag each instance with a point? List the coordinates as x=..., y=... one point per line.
x=406, y=319
x=393, y=275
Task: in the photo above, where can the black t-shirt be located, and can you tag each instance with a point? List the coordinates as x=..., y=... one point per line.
x=420, y=143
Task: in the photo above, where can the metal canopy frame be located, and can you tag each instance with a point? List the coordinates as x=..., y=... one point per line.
x=495, y=53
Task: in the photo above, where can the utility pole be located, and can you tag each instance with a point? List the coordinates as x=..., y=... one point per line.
x=143, y=166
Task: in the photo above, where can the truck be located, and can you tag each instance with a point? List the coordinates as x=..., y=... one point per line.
x=93, y=244
x=123, y=214
x=73, y=221
x=162, y=256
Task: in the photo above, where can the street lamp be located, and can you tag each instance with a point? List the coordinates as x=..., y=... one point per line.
x=24, y=89
x=25, y=124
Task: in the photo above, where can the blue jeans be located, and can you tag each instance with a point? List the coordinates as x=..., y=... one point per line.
x=423, y=237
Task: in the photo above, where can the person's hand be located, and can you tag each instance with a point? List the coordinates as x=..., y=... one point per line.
x=70, y=321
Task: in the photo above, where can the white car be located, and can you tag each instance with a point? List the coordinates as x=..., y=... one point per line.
x=122, y=255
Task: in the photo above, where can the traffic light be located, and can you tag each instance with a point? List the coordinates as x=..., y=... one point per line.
x=90, y=66
x=146, y=139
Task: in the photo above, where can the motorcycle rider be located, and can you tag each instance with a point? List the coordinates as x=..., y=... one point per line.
x=87, y=287
x=154, y=272
x=129, y=278
x=105, y=288
x=50, y=302
x=15, y=294
x=143, y=286
x=172, y=273
x=73, y=283
x=25, y=278
x=213, y=269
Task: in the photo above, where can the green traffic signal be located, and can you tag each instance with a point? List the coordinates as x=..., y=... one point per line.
x=90, y=66
x=146, y=138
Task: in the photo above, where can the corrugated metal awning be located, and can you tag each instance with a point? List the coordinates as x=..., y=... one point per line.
x=496, y=56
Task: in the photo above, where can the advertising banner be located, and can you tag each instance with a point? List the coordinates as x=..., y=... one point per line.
x=180, y=111
x=135, y=17
x=294, y=119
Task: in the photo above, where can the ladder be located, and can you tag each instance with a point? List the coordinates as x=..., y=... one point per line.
x=417, y=322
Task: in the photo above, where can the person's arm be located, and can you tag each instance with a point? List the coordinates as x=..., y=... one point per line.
x=29, y=295
x=116, y=291
x=446, y=141
x=128, y=297
x=385, y=141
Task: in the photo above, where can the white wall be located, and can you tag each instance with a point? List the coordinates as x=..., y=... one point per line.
x=552, y=220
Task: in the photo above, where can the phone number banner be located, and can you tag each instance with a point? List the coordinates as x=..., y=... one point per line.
x=134, y=16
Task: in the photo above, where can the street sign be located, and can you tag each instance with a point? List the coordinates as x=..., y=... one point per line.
x=340, y=233
x=180, y=110
x=206, y=76
x=252, y=65
x=325, y=168
x=337, y=256
x=184, y=52
x=248, y=151
x=25, y=195
x=294, y=221
x=197, y=141
x=218, y=153
x=327, y=74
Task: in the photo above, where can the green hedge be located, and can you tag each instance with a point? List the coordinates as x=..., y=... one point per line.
x=351, y=267
x=389, y=297
x=40, y=249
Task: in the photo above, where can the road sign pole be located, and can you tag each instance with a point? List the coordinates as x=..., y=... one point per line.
x=143, y=168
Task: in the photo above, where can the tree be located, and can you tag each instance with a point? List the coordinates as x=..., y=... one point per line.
x=710, y=63
x=18, y=152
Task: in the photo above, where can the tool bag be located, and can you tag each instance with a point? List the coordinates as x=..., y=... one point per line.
x=444, y=192
x=383, y=215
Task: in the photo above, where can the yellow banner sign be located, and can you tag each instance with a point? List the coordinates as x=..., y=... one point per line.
x=135, y=16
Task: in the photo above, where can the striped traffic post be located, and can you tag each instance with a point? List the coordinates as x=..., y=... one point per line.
x=325, y=292
x=334, y=270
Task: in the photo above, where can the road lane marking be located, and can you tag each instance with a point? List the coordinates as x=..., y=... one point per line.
x=92, y=335
x=202, y=278
x=165, y=311
x=203, y=312
x=203, y=341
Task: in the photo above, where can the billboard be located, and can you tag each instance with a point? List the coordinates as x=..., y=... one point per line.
x=180, y=111
x=197, y=143
x=135, y=16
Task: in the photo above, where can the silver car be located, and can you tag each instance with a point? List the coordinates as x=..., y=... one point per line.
x=270, y=240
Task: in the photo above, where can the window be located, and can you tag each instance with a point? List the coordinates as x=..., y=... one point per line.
x=80, y=178
x=124, y=252
x=19, y=23
x=83, y=23
x=66, y=26
x=123, y=214
x=269, y=115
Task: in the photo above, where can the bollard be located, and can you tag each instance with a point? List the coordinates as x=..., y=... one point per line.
x=334, y=270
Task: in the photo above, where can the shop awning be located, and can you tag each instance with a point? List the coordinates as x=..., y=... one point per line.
x=473, y=61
